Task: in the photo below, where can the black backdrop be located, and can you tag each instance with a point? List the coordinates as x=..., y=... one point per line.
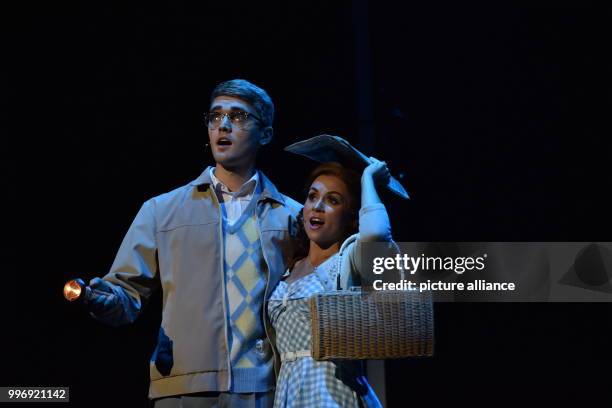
x=493, y=113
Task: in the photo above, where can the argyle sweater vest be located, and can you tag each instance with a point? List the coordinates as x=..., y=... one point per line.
x=245, y=282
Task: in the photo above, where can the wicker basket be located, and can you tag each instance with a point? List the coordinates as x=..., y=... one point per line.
x=374, y=325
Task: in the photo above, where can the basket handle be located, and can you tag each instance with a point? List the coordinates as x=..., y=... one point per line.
x=399, y=251
x=339, y=266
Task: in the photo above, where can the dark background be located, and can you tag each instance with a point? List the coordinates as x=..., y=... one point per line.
x=495, y=113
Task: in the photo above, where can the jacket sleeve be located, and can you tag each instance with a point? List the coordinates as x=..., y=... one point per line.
x=134, y=273
x=374, y=226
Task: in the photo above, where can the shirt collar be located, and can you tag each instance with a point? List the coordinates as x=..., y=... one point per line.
x=247, y=188
x=268, y=190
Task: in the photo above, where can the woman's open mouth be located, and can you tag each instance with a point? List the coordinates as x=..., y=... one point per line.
x=315, y=223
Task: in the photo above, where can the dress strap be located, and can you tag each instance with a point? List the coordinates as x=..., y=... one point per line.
x=328, y=272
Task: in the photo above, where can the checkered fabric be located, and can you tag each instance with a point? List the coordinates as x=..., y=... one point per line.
x=304, y=382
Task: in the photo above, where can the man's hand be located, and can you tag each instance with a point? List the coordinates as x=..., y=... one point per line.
x=100, y=298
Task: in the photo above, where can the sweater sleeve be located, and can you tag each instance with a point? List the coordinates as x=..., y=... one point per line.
x=374, y=226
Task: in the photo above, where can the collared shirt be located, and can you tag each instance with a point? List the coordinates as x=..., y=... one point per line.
x=233, y=204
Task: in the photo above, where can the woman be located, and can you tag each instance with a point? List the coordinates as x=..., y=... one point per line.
x=327, y=261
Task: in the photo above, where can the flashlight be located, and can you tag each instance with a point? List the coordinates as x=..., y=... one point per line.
x=75, y=290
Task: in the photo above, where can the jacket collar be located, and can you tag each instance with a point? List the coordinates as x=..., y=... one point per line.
x=268, y=190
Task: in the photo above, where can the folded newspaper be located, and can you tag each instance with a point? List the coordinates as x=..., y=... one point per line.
x=326, y=148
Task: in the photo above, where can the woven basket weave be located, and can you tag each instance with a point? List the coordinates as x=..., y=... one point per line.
x=375, y=325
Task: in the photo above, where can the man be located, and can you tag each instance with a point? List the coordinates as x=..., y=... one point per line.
x=217, y=246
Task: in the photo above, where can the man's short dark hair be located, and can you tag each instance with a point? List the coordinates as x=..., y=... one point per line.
x=243, y=89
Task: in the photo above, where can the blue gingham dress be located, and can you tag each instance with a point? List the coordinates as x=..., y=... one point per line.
x=304, y=382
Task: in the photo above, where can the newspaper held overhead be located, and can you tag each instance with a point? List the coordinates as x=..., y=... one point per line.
x=326, y=148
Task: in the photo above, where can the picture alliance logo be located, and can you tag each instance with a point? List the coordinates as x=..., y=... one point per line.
x=411, y=264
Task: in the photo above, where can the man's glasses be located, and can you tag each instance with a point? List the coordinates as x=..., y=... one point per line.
x=238, y=118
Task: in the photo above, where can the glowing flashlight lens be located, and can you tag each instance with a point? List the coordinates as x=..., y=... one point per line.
x=72, y=290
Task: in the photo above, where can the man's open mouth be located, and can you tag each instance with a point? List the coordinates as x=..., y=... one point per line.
x=224, y=142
